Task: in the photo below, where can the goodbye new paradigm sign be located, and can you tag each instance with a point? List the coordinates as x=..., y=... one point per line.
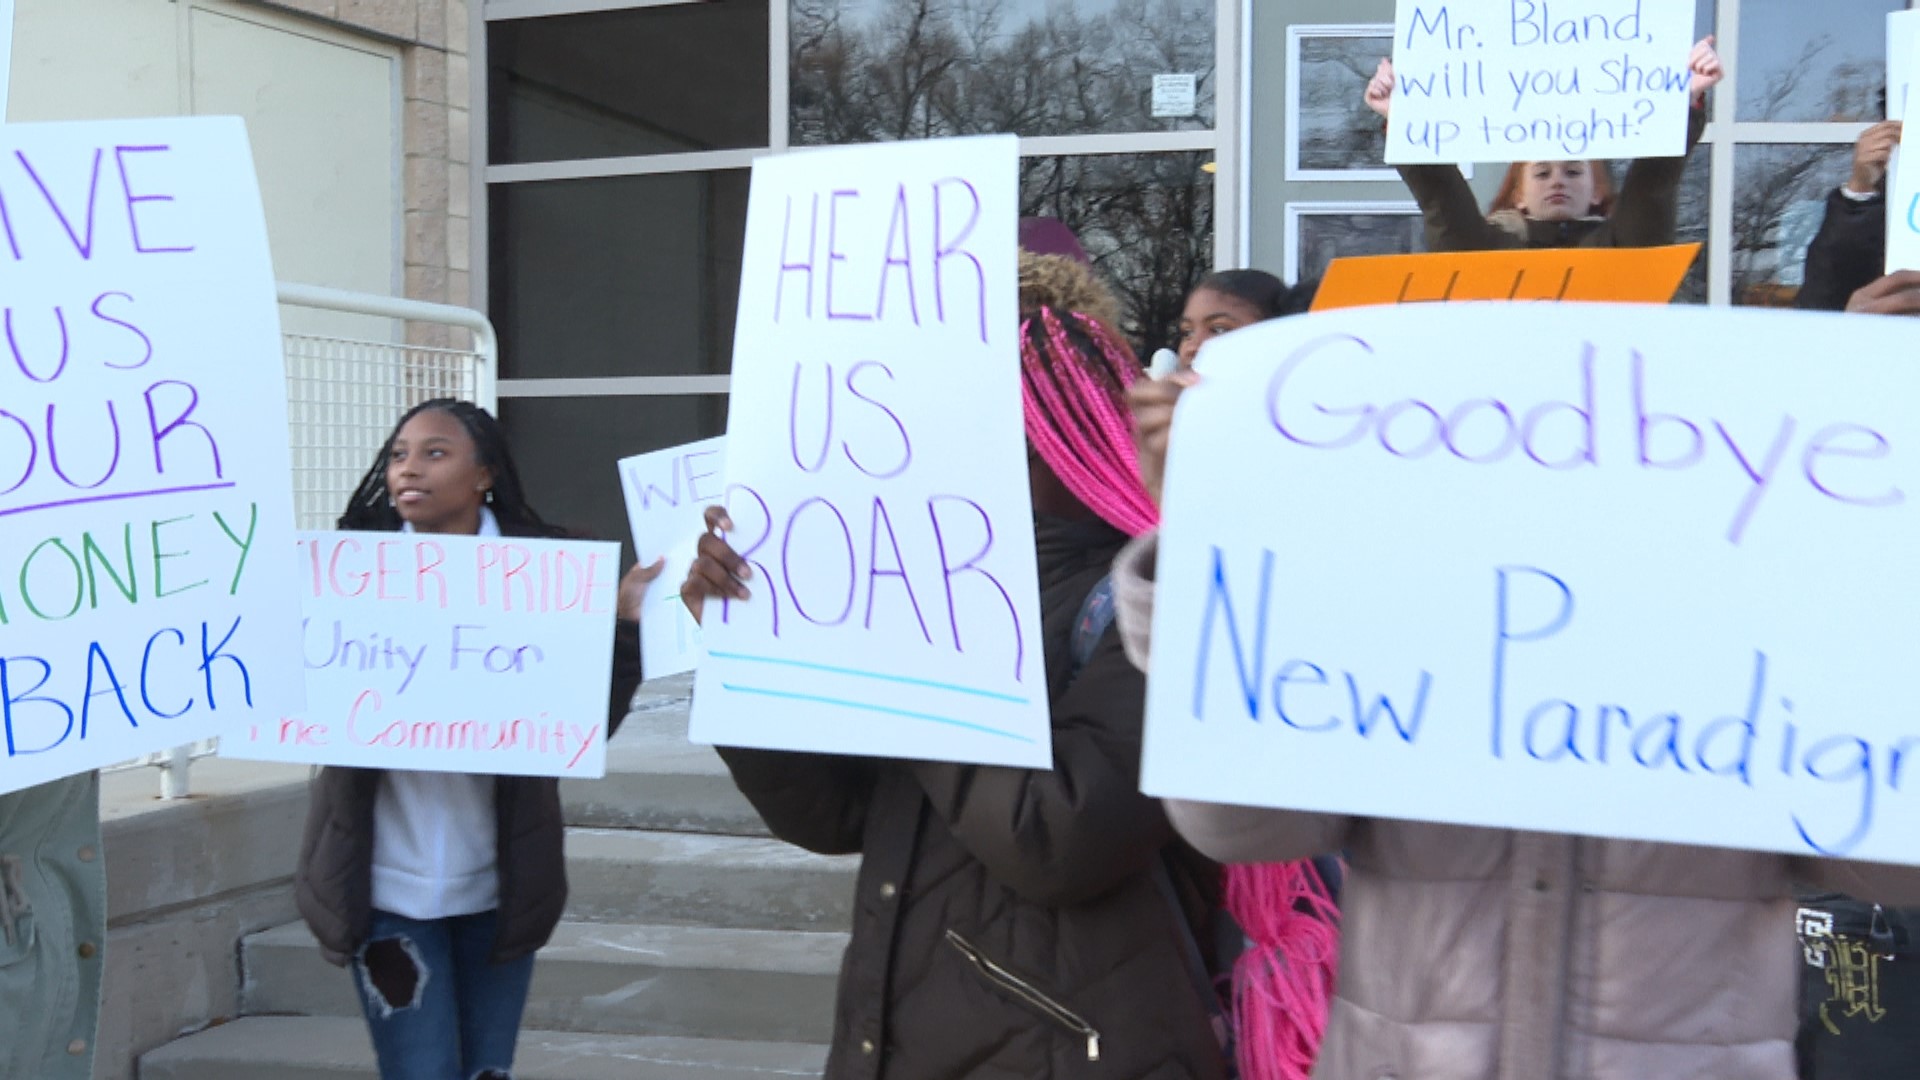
x=876, y=466
x=146, y=516
x=1539, y=80
x=1646, y=574
x=450, y=654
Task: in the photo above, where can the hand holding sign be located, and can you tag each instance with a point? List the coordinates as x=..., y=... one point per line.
x=1540, y=80
x=876, y=467
x=1623, y=576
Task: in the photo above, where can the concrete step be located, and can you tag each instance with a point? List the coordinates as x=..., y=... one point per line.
x=656, y=779
x=327, y=1048
x=684, y=879
x=696, y=982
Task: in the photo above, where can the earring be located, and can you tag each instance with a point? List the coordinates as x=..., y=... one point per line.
x=489, y=496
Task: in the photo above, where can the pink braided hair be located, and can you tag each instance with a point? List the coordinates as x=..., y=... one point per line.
x=1283, y=983
x=1077, y=416
x=1079, y=423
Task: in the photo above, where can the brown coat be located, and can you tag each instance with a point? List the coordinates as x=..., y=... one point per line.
x=1645, y=214
x=1012, y=922
x=1487, y=954
x=333, y=883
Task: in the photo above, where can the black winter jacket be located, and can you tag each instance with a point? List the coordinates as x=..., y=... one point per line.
x=333, y=884
x=1013, y=922
x=1849, y=251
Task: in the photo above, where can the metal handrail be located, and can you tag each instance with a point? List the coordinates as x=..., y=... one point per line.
x=485, y=342
x=176, y=765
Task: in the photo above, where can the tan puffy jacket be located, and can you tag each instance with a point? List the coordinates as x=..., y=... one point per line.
x=1486, y=954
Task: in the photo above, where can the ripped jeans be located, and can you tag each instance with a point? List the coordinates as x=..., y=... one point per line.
x=436, y=1005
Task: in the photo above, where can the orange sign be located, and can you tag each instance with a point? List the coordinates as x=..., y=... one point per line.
x=1612, y=275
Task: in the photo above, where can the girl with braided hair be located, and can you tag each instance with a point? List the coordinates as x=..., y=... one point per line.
x=1018, y=922
x=437, y=888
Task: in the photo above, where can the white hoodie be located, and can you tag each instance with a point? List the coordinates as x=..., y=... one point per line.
x=435, y=837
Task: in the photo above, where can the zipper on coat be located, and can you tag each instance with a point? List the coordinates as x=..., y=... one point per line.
x=1028, y=993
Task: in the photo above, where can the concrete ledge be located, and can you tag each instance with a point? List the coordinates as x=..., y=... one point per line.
x=240, y=830
x=300, y=1048
x=615, y=979
x=678, y=879
x=186, y=880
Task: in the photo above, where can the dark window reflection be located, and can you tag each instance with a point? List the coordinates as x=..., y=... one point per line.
x=568, y=450
x=1147, y=222
x=1693, y=216
x=1803, y=61
x=1326, y=237
x=873, y=70
x=650, y=80
x=1780, y=200
x=1337, y=130
x=630, y=275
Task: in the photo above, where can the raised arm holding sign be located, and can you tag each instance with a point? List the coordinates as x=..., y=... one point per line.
x=1494, y=80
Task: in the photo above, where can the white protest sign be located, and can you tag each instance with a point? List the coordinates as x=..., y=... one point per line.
x=667, y=493
x=1539, y=80
x=1642, y=573
x=450, y=654
x=876, y=466
x=1903, y=185
x=1903, y=37
x=6, y=55
x=146, y=517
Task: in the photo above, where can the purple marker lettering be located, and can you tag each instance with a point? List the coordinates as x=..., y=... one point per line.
x=882, y=518
x=83, y=246
x=1762, y=478
x=1456, y=422
x=145, y=341
x=944, y=249
x=786, y=557
x=33, y=452
x=180, y=420
x=1589, y=454
x=787, y=267
x=53, y=449
x=793, y=422
x=761, y=579
x=949, y=569
x=898, y=229
x=906, y=443
x=1648, y=423
x=1823, y=444
x=133, y=201
x=19, y=361
x=1277, y=390
x=835, y=255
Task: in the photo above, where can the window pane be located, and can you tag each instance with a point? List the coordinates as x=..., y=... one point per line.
x=1693, y=216
x=1325, y=237
x=1337, y=130
x=1145, y=219
x=568, y=450
x=873, y=70
x=1780, y=202
x=1803, y=61
x=651, y=80
x=628, y=275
